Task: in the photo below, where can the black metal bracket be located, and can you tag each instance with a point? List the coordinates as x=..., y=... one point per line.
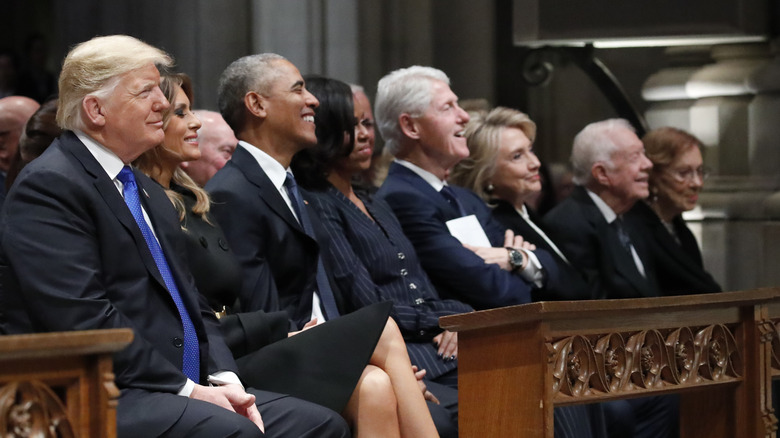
x=539, y=66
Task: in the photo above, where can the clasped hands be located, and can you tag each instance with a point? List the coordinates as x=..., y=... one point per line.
x=232, y=397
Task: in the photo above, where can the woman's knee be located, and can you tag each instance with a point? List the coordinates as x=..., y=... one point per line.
x=376, y=389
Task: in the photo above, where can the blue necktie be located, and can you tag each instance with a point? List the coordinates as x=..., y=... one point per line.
x=191, y=358
x=323, y=286
x=449, y=195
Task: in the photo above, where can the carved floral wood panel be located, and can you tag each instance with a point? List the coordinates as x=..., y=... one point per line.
x=586, y=366
x=31, y=409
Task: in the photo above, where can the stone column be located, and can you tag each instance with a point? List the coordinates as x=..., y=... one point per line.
x=730, y=102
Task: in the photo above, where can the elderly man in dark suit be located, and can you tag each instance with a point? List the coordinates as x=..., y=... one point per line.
x=611, y=172
x=418, y=115
x=89, y=243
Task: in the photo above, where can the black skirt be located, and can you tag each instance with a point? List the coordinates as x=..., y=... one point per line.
x=321, y=365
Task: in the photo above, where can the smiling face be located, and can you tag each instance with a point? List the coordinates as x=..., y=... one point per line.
x=441, y=127
x=132, y=113
x=290, y=108
x=516, y=178
x=181, y=133
x=679, y=184
x=629, y=173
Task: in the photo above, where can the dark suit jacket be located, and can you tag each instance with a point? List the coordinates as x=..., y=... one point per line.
x=572, y=285
x=373, y=262
x=278, y=259
x=583, y=235
x=456, y=271
x=678, y=267
x=73, y=258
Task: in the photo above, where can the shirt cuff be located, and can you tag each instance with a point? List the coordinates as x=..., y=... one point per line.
x=533, y=272
x=187, y=389
x=225, y=378
x=216, y=379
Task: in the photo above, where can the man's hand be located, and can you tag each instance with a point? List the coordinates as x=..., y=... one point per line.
x=500, y=256
x=231, y=397
x=426, y=394
x=516, y=241
x=447, y=342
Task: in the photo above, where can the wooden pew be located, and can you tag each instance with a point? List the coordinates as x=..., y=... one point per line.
x=719, y=351
x=60, y=384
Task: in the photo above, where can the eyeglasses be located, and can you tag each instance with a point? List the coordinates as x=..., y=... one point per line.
x=687, y=175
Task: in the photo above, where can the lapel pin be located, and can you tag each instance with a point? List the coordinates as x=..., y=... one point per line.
x=306, y=202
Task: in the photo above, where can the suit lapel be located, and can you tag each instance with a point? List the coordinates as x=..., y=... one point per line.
x=414, y=180
x=113, y=199
x=255, y=174
x=623, y=262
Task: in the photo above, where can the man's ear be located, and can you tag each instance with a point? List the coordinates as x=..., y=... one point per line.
x=256, y=104
x=92, y=110
x=409, y=126
x=599, y=174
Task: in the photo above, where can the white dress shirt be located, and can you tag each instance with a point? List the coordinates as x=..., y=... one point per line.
x=277, y=174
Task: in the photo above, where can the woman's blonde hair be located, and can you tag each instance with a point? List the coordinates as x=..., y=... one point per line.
x=483, y=134
x=150, y=162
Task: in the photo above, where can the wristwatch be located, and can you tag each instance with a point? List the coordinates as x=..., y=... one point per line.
x=515, y=258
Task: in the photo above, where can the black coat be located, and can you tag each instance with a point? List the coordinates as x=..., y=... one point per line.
x=579, y=229
x=572, y=285
x=678, y=266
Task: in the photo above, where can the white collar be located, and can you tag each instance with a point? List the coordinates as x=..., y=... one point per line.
x=272, y=168
x=109, y=161
x=605, y=209
x=430, y=178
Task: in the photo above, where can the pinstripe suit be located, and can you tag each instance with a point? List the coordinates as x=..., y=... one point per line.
x=373, y=261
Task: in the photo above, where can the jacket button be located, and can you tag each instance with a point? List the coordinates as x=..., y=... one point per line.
x=404, y=272
x=418, y=301
x=401, y=256
x=204, y=242
x=178, y=342
x=223, y=244
x=412, y=286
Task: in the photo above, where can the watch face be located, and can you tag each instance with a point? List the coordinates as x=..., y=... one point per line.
x=515, y=258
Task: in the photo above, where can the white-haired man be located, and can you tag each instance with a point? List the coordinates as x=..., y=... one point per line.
x=611, y=172
x=89, y=243
x=418, y=116
x=217, y=143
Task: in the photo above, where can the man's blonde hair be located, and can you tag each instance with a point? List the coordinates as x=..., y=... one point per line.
x=94, y=67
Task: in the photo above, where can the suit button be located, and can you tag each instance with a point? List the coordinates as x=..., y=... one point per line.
x=204, y=242
x=422, y=332
x=223, y=244
x=412, y=286
x=401, y=256
x=404, y=272
x=178, y=342
x=419, y=301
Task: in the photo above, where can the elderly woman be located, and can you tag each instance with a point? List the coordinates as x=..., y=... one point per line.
x=503, y=169
x=675, y=182
x=341, y=364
